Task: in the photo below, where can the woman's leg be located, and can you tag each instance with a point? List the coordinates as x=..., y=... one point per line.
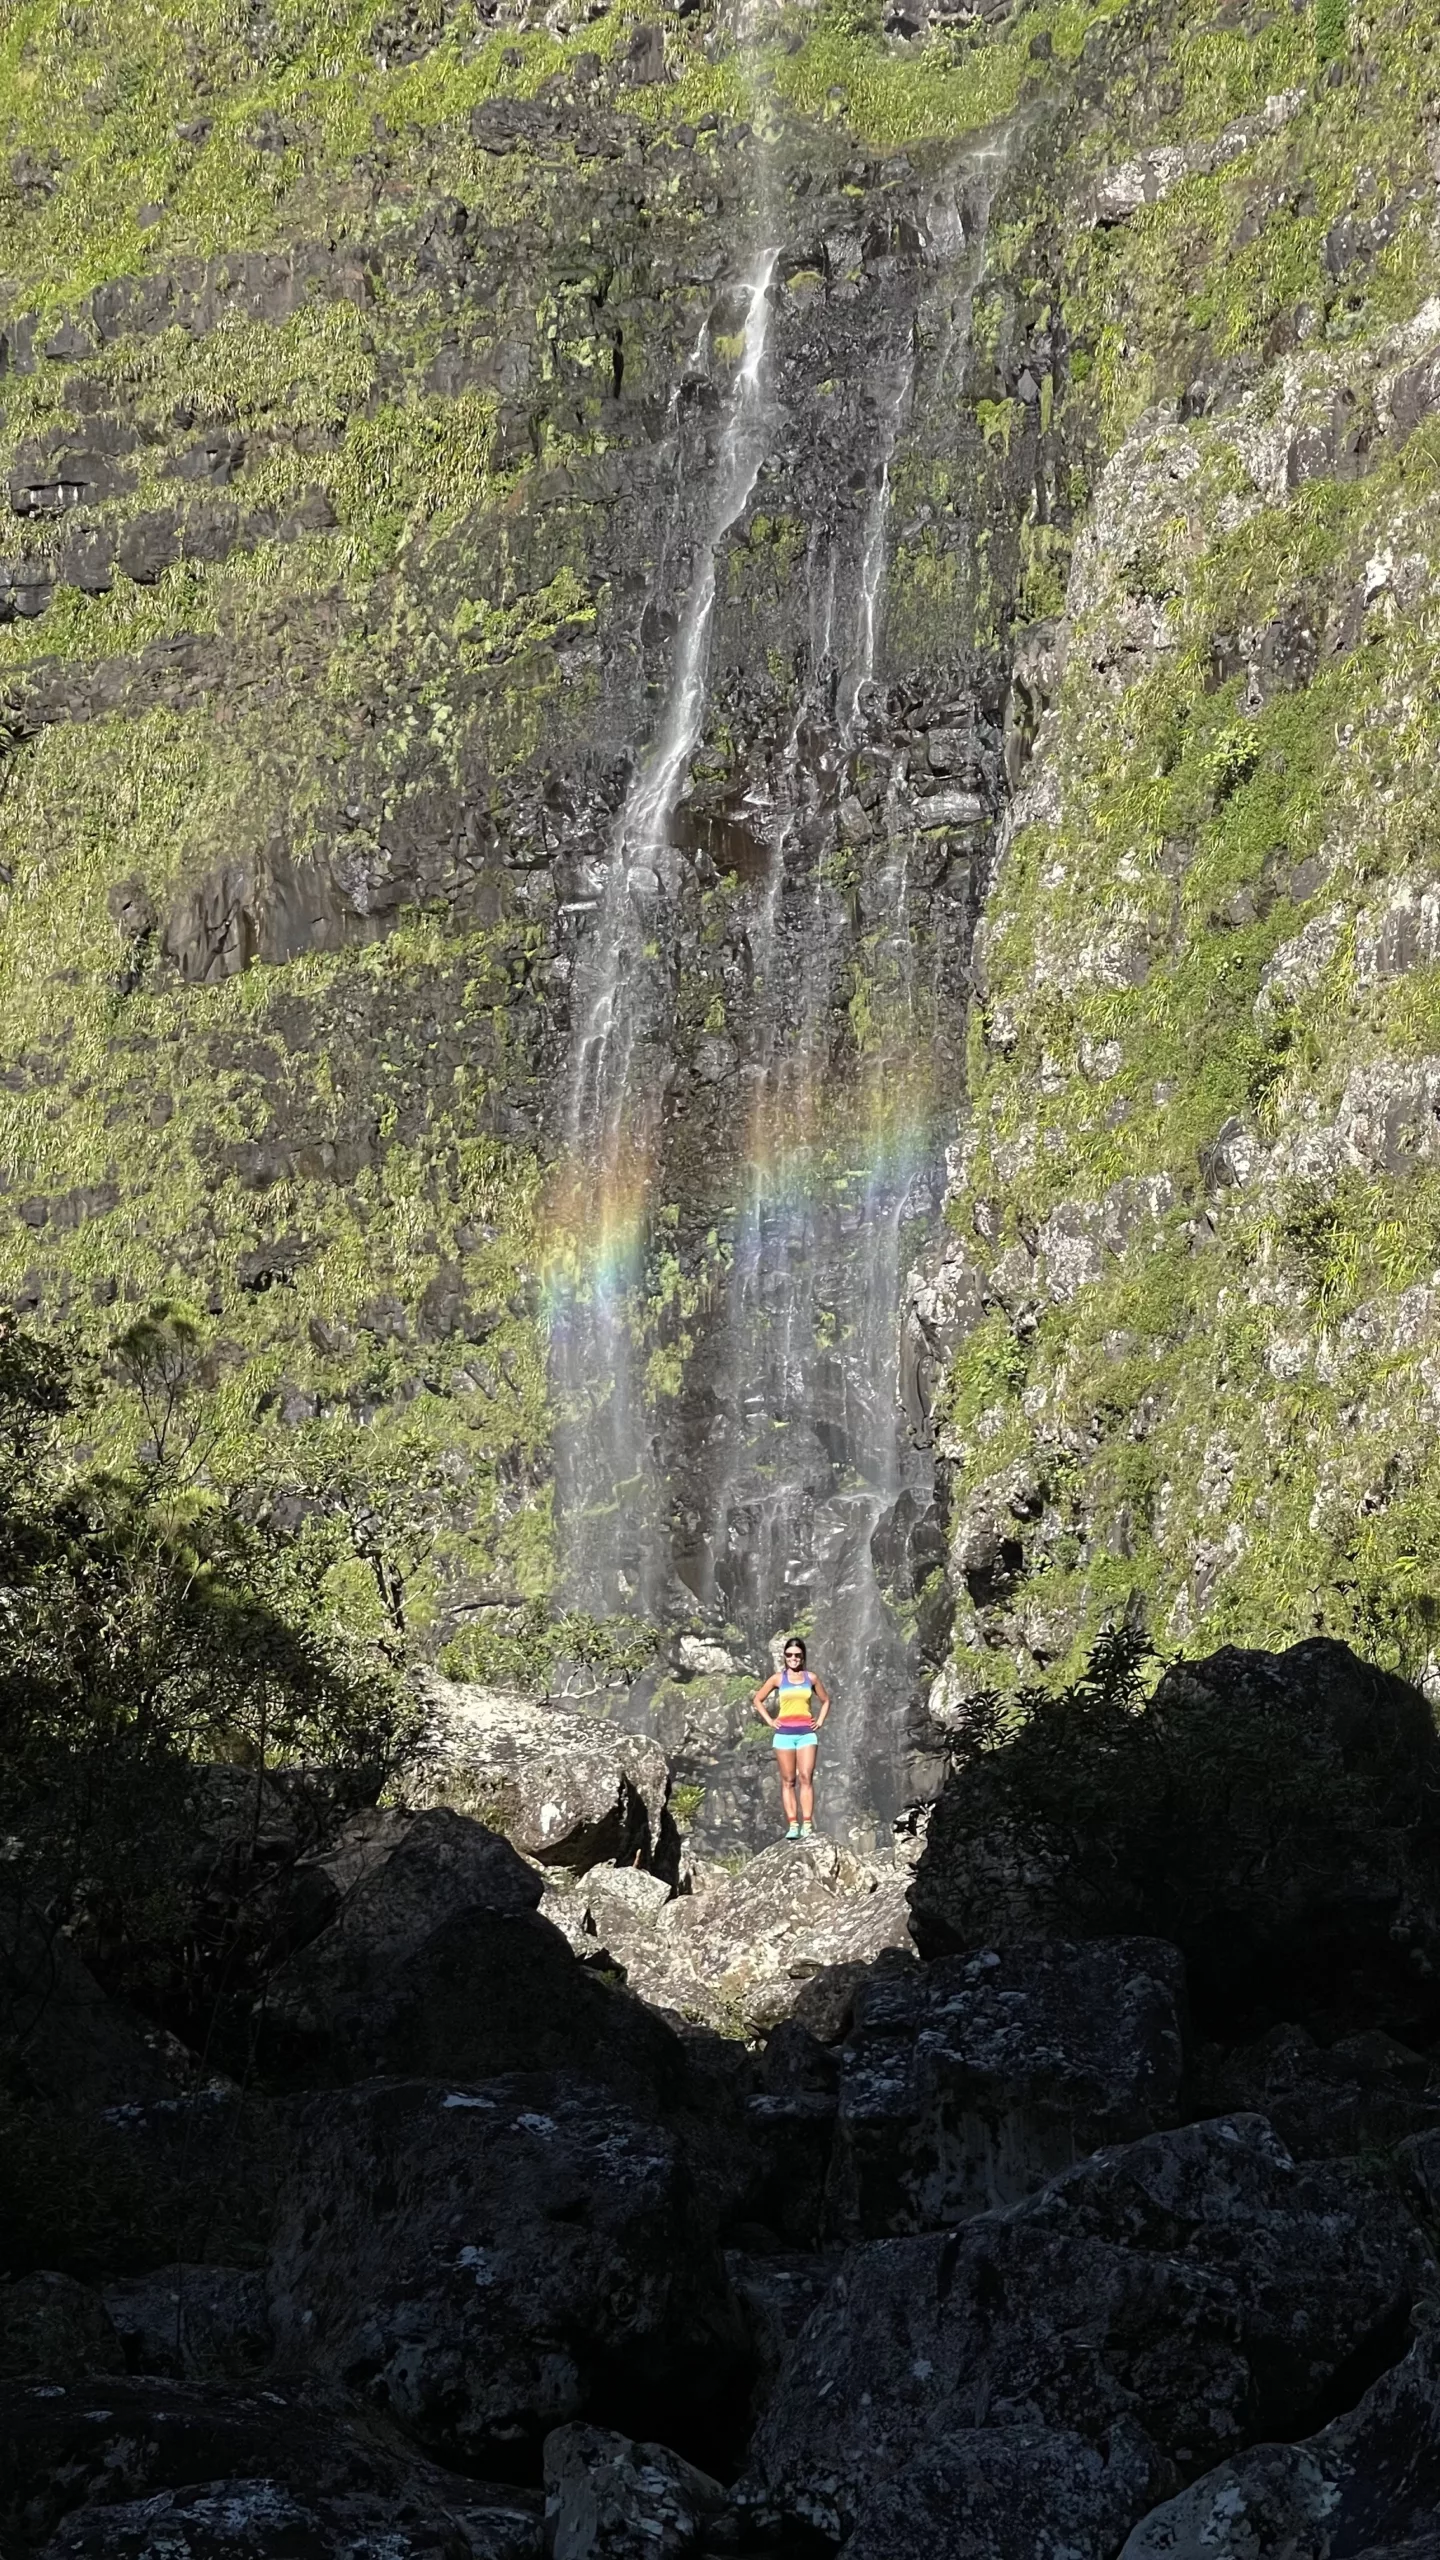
x=785, y=1760
x=805, y=1770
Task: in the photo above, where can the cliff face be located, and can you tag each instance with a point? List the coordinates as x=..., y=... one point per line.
x=548, y=557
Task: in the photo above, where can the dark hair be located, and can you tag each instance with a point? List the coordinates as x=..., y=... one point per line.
x=793, y=1644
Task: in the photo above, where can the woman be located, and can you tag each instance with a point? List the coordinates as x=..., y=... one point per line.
x=796, y=1728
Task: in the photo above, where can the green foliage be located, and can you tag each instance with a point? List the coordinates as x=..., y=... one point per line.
x=1331, y=30
x=531, y=1647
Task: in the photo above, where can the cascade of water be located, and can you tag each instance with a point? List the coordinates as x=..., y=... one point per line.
x=609, y=1498
x=839, y=1171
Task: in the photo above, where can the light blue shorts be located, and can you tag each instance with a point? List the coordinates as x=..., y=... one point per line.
x=797, y=1737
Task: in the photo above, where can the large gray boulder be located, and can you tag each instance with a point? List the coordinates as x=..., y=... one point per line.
x=436, y=1960
x=1365, y=2486
x=609, y=2499
x=1195, y=2285
x=1275, y=1816
x=568, y=1788
x=482, y=2258
x=965, y=2084
x=739, y=1953
x=133, y=2469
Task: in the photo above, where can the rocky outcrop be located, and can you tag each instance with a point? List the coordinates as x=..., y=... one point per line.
x=743, y=1951
x=1365, y=2488
x=435, y=1959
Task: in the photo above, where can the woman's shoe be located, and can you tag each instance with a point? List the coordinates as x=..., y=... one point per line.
x=807, y=1830
x=794, y=1831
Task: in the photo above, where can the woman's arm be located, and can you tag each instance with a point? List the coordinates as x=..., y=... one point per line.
x=823, y=1694
x=758, y=1701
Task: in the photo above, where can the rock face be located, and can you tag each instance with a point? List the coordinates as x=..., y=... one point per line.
x=490, y=2262
x=569, y=1789
x=1366, y=2487
x=1277, y=1817
x=1196, y=2285
x=965, y=2084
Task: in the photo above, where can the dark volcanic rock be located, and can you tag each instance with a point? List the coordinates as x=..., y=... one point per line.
x=1196, y=2286
x=967, y=2083
x=51, y=2326
x=436, y=1960
x=142, y=2467
x=609, y=2499
x=1276, y=1816
x=1029, y=2492
x=487, y=2263
x=1366, y=2487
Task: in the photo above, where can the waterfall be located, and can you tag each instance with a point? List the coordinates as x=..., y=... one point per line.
x=788, y=1442
x=845, y=1172
x=611, y=1501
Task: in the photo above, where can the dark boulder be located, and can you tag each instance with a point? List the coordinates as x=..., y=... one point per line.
x=1275, y=1816
x=102, y=2466
x=487, y=2263
x=435, y=1960
x=1366, y=2488
x=1030, y=2492
x=609, y=2499
x=965, y=2084
x=1195, y=2286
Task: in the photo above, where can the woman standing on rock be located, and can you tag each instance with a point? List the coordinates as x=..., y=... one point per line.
x=796, y=1728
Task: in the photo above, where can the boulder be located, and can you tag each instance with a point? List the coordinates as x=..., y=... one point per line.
x=1196, y=2286
x=1275, y=1816
x=569, y=1789
x=965, y=2084
x=108, y=2468
x=739, y=1955
x=1364, y=2488
x=609, y=2499
x=265, y=2519
x=488, y=2260
x=55, y=2329
x=436, y=1960
x=200, y=2321
x=1030, y=2492
x=1365, y=2093
x=63, y=2042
